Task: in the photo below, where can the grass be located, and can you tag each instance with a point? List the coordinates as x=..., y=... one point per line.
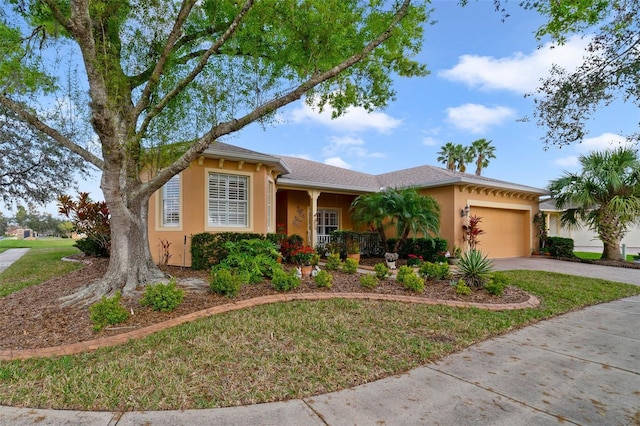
x=282, y=351
x=39, y=243
x=36, y=266
x=587, y=255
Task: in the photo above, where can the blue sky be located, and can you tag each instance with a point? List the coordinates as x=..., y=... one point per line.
x=480, y=70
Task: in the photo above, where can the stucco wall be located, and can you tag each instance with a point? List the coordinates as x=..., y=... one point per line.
x=193, y=214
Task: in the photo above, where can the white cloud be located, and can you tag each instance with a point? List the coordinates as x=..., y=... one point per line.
x=570, y=162
x=303, y=156
x=598, y=143
x=520, y=73
x=338, y=162
x=602, y=142
x=430, y=141
x=354, y=120
x=477, y=118
x=350, y=146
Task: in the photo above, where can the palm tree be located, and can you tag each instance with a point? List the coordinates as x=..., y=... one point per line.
x=406, y=209
x=462, y=155
x=447, y=155
x=482, y=151
x=605, y=195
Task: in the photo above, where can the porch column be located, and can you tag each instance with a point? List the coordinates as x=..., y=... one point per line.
x=312, y=233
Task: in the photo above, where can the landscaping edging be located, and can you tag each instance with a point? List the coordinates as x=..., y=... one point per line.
x=91, y=345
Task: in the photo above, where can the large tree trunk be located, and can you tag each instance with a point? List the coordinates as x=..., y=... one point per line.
x=130, y=265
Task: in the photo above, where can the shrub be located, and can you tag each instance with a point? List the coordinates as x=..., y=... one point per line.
x=209, y=249
x=285, y=281
x=333, y=262
x=435, y=271
x=253, y=259
x=414, y=283
x=223, y=282
x=382, y=271
x=415, y=260
x=91, y=219
x=91, y=247
x=496, y=284
x=107, y=311
x=162, y=297
x=475, y=268
x=350, y=266
x=462, y=288
x=368, y=281
x=560, y=247
x=323, y=279
x=431, y=249
x=403, y=272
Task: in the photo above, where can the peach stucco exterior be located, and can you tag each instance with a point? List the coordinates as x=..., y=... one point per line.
x=193, y=207
x=292, y=192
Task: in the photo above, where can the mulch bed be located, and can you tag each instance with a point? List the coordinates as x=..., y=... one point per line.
x=33, y=318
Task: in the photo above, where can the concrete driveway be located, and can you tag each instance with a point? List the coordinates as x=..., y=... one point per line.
x=622, y=275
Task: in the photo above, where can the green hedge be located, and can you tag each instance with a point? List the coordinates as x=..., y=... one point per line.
x=431, y=249
x=208, y=249
x=560, y=247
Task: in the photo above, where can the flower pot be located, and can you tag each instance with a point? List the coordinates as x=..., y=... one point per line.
x=354, y=256
x=391, y=265
x=306, y=270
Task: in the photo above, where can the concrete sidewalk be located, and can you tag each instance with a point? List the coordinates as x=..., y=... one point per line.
x=579, y=368
x=9, y=256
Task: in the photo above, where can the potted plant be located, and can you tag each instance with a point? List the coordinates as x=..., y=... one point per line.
x=391, y=259
x=454, y=255
x=353, y=249
x=303, y=256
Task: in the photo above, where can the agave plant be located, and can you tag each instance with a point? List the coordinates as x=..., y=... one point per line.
x=475, y=268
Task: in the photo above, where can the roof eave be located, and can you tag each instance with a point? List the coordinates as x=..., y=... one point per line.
x=251, y=157
x=498, y=185
x=320, y=185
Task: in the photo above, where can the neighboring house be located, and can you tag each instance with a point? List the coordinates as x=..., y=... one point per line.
x=583, y=236
x=232, y=189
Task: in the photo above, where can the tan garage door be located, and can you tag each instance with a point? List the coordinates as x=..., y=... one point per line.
x=504, y=232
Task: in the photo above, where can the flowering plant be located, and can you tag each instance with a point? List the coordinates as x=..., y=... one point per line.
x=414, y=260
x=303, y=255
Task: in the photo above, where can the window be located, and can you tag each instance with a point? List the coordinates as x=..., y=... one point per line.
x=228, y=200
x=327, y=222
x=171, y=202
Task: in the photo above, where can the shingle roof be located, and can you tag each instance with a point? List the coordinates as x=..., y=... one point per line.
x=221, y=149
x=432, y=176
x=312, y=174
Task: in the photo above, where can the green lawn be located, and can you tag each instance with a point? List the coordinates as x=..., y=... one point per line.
x=39, y=243
x=587, y=255
x=282, y=351
x=39, y=264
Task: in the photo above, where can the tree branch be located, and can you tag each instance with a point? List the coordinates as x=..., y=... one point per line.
x=225, y=128
x=158, y=70
x=36, y=123
x=157, y=109
x=62, y=20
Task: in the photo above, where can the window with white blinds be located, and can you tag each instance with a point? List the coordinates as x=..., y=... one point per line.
x=171, y=202
x=228, y=200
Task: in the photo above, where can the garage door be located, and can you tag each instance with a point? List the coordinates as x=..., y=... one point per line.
x=504, y=232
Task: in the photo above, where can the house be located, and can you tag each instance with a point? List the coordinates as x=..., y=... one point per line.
x=584, y=238
x=232, y=189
